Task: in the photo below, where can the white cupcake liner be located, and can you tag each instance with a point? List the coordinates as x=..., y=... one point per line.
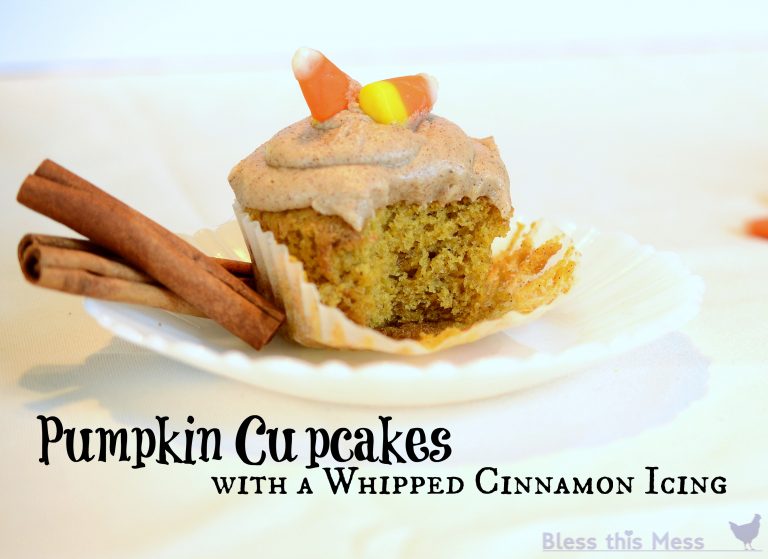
x=314, y=324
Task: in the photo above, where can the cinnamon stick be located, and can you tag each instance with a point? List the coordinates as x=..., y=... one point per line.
x=238, y=268
x=69, y=199
x=83, y=268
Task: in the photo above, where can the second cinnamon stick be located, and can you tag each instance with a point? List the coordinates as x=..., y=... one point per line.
x=80, y=267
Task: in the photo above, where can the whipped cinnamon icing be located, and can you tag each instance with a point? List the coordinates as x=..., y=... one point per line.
x=350, y=166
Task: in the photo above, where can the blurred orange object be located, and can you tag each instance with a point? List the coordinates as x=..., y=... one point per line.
x=327, y=90
x=758, y=228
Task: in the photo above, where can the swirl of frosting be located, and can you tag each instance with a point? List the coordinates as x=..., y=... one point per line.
x=350, y=166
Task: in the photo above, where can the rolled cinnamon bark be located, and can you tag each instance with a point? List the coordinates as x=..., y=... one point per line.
x=190, y=274
x=82, y=268
x=65, y=252
x=59, y=242
x=81, y=282
x=39, y=254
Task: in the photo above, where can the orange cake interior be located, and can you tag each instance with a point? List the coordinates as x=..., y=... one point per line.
x=416, y=269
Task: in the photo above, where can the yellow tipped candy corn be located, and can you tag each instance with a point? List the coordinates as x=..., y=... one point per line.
x=395, y=100
x=382, y=102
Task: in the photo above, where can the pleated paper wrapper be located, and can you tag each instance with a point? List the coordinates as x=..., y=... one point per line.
x=314, y=324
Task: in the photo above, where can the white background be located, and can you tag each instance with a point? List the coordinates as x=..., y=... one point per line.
x=45, y=35
x=644, y=117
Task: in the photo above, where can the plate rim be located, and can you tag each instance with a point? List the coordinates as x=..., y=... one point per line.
x=335, y=369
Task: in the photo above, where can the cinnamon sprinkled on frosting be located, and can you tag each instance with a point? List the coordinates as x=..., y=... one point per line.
x=350, y=166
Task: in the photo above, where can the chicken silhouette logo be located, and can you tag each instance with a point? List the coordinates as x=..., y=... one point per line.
x=746, y=532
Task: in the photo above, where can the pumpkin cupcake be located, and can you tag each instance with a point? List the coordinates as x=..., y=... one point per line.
x=373, y=221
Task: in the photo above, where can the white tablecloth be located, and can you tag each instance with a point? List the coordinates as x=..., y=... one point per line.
x=671, y=148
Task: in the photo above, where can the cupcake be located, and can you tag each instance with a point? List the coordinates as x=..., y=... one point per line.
x=379, y=225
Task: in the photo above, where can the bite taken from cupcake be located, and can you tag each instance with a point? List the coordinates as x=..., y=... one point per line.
x=379, y=225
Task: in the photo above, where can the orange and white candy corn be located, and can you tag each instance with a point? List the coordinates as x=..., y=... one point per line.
x=397, y=99
x=326, y=89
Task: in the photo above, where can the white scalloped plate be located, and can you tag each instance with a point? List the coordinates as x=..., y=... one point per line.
x=625, y=295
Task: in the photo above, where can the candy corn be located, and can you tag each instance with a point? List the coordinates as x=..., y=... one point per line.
x=326, y=89
x=395, y=100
